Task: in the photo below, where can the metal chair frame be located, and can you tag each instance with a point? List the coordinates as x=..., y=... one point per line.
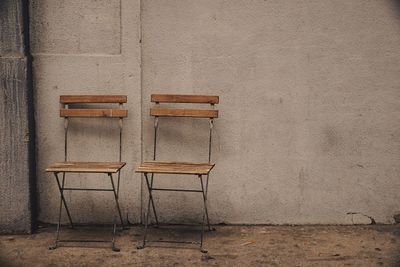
x=62, y=188
x=203, y=185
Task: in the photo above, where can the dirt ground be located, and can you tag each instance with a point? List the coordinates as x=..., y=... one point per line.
x=374, y=245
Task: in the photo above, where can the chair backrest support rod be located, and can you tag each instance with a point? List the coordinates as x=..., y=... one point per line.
x=120, y=149
x=65, y=139
x=210, y=140
x=155, y=134
x=155, y=137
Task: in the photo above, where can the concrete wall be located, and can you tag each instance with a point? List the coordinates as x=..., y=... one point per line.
x=309, y=94
x=17, y=204
x=309, y=104
x=86, y=47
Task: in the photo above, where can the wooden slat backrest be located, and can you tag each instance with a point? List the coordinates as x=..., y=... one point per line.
x=90, y=112
x=175, y=112
x=184, y=112
x=199, y=99
x=76, y=99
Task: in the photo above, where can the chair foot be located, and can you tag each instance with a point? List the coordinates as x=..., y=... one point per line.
x=212, y=229
x=202, y=250
x=53, y=247
x=115, y=248
x=140, y=247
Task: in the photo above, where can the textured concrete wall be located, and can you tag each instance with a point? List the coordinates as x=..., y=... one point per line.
x=16, y=123
x=86, y=47
x=309, y=105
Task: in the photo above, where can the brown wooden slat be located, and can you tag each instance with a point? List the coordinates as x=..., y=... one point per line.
x=201, y=99
x=174, y=112
x=74, y=99
x=91, y=167
x=87, y=113
x=175, y=167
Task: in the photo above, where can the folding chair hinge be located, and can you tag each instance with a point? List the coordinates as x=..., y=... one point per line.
x=156, y=122
x=66, y=123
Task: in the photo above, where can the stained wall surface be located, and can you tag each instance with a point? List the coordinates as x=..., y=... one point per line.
x=309, y=105
x=309, y=91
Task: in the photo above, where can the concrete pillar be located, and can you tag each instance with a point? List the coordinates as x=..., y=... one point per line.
x=16, y=121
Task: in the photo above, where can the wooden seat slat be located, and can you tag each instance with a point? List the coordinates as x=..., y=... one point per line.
x=75, y=99
x=175, y=167
x=87, y=113
x=86, y=167
x=175, y=112
x=172, y=98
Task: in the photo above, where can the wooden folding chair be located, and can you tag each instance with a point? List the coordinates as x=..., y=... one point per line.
x=68, y=111
x=161, y=167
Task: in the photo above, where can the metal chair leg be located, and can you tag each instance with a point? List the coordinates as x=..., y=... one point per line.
x=116, y=199
x=205, y=215
x=62, y=201
x=55, y=245
x=61, y=189
x=143, y=245
x=205, y=199
x=114, y=246
x=146, y=223
x=210, y=228
x=152, y=200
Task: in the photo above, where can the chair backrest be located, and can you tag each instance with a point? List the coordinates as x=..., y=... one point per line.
x=88, y=112
x=210, y=113
x=183, y=112
x=68, y=111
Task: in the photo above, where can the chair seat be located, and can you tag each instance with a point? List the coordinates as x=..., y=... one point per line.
x=91, y=167
x=175, y=167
